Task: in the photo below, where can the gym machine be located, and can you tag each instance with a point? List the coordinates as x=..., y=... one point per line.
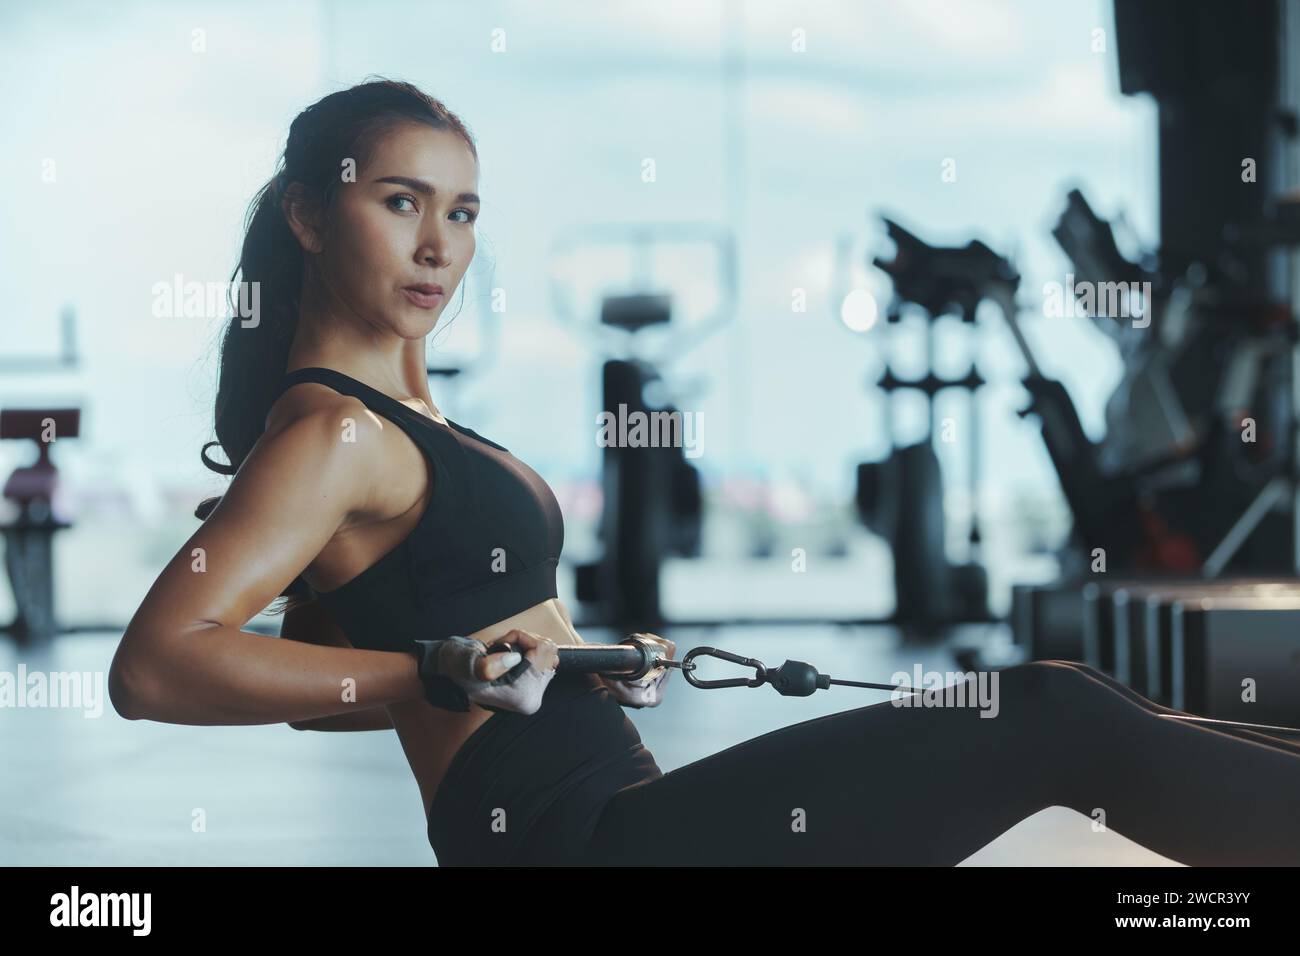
x=901, y=497
x=1197, y=607
x=29, y=536
x=652, y=505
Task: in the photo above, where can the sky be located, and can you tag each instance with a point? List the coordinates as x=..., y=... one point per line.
x=137, y=133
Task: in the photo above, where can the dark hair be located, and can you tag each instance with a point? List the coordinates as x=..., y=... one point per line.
x=344, y=125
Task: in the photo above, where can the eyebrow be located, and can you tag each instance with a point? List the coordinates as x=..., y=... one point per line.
x=420, y=186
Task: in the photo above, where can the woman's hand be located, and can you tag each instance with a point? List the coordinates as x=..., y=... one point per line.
x=541, y=652
x=648, y=690
x=501, y=681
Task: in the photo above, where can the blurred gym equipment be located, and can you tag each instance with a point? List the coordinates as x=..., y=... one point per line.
x=652, y=503
x=1225, y=649
x=29, y=537
x=1179, y=574
x=1192, y=498
x=901, y=497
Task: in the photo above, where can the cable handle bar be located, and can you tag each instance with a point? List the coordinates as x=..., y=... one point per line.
x=631, y=659
x=635, y=657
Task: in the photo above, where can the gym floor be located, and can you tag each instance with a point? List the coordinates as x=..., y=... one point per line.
x=95, y=791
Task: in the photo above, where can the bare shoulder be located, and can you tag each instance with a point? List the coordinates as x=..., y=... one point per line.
x=344, y=417
x=385, y=462
x=315, y=401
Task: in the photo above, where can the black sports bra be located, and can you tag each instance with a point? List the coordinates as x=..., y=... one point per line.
x=486, y=546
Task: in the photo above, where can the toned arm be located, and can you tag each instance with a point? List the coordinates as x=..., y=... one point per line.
x=184, y=658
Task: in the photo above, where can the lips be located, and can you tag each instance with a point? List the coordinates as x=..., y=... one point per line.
x=424, y=296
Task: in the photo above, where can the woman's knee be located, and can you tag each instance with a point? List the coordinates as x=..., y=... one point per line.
x=1049, y=681
x=1086, y=669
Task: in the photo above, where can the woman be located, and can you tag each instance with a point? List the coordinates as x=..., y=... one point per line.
x=385, y=537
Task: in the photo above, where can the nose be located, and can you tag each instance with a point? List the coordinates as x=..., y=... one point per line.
x=435, y=253
x=436, y=247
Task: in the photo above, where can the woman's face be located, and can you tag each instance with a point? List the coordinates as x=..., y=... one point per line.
x=408, y=220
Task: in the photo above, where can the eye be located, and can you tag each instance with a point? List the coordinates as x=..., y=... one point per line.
x=401, y=197
x=469, y=212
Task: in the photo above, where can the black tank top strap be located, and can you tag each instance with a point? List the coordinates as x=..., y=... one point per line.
x=371, y=397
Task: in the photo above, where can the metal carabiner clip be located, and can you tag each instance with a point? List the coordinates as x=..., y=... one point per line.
x=688, y=666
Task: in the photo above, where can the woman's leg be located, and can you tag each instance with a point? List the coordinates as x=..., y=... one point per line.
x=931, y=785
x=1289, y=744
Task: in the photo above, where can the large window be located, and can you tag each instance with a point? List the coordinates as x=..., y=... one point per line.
x=137, y=136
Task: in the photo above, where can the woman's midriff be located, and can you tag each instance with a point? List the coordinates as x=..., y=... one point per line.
x=431, y=736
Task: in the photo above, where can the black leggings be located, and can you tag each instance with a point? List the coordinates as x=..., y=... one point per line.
x=931, y=785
